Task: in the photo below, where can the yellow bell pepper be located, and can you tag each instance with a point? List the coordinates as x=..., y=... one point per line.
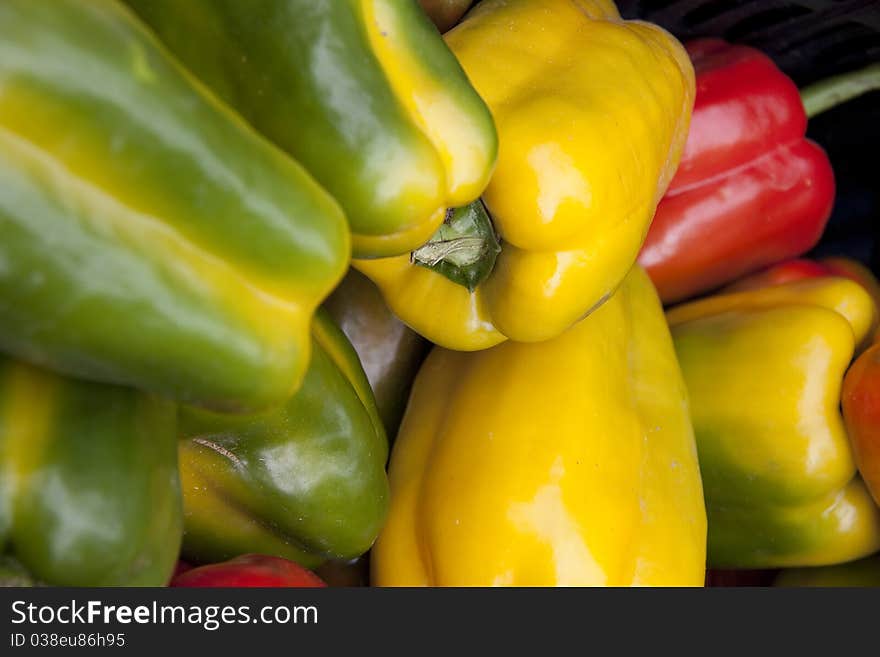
x=565, y=462
x=764, y=369
x=592, y=114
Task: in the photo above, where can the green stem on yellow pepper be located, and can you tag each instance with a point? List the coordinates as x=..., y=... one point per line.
x=464, y=248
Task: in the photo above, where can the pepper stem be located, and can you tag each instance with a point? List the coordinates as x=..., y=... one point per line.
x=464, y=248
x=825, y=94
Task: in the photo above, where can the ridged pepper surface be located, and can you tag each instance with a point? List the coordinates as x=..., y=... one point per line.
x=565, y=462
x=592, y=114
x=363, y=92
x=89, y=489
x=764, y=369
x=750, y=190
x=305, y=481
x=148, y=236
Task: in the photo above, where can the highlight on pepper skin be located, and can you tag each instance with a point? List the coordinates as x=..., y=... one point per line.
x=592, y=113
x=751, y=189
x=764, y=369
x=395, y=132
x=568, y=462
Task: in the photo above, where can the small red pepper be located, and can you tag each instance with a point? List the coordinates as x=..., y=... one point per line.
x=783, y=272
x=799, y=268
x=861, y=411
x=750, y=190
x=249, y=570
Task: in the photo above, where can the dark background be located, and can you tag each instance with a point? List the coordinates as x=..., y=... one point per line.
x=809, y=40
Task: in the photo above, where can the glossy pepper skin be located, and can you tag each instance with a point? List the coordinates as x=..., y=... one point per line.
x=800, y=268
x=305, y=481
x=363, y=92
x=565, y=462
x=390, y=352
x=191, y=266
x=764, y=370
x=861, y=411
x=592, y=114
x=89, y=491
x=249, y=571
x=750, y=190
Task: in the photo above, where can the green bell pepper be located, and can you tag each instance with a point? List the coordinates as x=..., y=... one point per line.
x=763, y=369
x=148, y=235
x=364, y=93
x=89, y=489
x=305, y=481
x=389, y=350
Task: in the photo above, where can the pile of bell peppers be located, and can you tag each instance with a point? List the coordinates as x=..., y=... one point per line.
x=436, y=293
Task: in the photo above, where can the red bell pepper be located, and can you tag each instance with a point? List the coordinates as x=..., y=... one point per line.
x=750, y=190
x=800, y=268
x=861, y=411
x=249, y=570
x=860, y=400
x=778, y=274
